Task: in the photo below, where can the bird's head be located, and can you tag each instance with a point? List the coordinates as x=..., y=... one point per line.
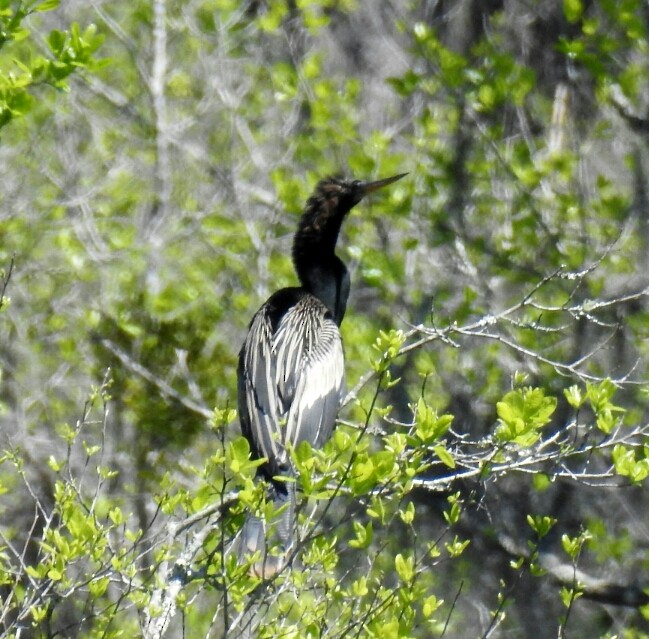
x=333, y=198
x=320, y=271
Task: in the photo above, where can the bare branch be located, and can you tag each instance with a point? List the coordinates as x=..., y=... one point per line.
x=425, y=335
x=158, y=80
x=165, y=389
x=567, y=574
x=174, y=575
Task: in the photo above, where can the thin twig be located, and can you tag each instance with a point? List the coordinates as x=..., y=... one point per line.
x=5, y=277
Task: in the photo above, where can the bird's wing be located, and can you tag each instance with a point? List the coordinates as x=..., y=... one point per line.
x=259, y=404
x=293, y=380
x=311, y=359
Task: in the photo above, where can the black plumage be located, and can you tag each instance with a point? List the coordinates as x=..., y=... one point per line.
x=291, y=374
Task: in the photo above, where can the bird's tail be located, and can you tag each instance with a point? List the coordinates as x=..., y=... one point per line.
x=274, y=540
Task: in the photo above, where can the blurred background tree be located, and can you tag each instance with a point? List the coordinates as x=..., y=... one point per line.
x=488, y=477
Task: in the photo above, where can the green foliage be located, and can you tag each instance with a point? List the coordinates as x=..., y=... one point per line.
x=429, y=427
x=573, y=10
x=573, y=545
x=21, y=73
x=452, y=515
x=456, y=547
x=523, y=413
x=146, y=214
x=599, y=396
x=541, y=524
x=631, y=462
x=86, y=542
x=607, y=541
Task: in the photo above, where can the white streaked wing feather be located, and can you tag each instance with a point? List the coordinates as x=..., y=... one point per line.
x=319, y=388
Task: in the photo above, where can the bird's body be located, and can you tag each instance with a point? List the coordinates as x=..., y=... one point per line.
x=292, y=338
x=291, y=375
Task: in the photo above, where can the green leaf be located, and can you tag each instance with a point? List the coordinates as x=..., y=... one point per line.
x=408, y=515
x=452, y=515
x=606, y=421
x=573, y=10
x=363, y=534
x=487, y=97
x=54, y=464
x=541, y=482
x=405, y=568
x=116, y=516
x=57, y=40
x=21, y=103
x=444, y=455
x=98, y=587
x=363, y=476
x=238, y=458
x=272, y=18
x=406, y=84
x=54, y=574
x=36, y=572
x=570, y=545
x=574, y=396
x=377, y=509
x=359, y=587
x=46, y=5
x=568, y=596
x=428, y=425
x=573, y=545
x=38, y=613
x=222, y=417
x=430, y=605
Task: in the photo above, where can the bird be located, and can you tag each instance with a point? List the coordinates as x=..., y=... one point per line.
x=291, y=369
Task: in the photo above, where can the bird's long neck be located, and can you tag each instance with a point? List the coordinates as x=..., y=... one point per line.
x=321, y=272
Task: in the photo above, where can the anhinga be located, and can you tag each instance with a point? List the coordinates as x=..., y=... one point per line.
x=291, y=373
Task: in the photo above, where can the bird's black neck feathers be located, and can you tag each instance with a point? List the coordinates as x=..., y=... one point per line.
x=320, y=270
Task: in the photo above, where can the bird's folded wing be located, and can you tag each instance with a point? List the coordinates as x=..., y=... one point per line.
x=319, y=389
x=259, y=367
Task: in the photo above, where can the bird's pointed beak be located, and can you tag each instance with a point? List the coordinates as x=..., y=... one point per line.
x=369, y=187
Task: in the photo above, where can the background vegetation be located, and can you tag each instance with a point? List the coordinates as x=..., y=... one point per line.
x=488, y=474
